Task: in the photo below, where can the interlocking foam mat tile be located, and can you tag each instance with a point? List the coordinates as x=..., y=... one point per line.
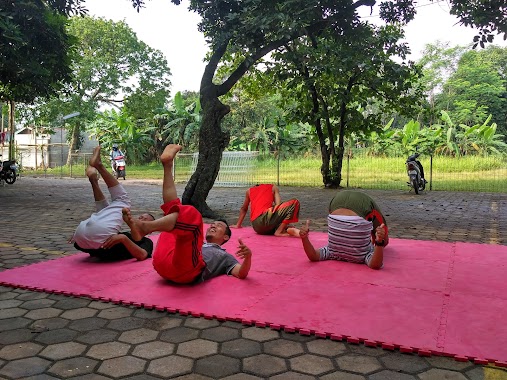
x=430, y=298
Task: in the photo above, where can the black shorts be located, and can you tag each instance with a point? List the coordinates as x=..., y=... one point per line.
x=119, y=251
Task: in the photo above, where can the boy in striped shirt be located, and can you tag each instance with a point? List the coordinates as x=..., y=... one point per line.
x=357, y=231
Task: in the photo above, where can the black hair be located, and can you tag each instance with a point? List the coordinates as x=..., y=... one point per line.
x=228, y=231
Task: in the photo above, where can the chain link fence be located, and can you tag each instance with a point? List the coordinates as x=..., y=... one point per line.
x=359, y=170
x=76, y=168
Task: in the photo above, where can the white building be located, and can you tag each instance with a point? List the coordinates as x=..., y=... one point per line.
x=39, y=150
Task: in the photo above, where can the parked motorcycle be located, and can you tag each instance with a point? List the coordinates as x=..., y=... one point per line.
x=415, y=173
x=8, y=171
x=119, y=167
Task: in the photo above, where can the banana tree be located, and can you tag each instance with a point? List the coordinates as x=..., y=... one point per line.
x=409, y=137
x=380, y=143
x=449, y=145
x=180, y=123
x=485, y=140
x=118, y=127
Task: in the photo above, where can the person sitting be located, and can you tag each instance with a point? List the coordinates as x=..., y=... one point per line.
x=181, y=256
x=357, y=231
x=100, y=235
x=269, y=216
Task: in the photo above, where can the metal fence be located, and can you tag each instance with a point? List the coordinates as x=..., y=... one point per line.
x=76, y=168
x=360, y=170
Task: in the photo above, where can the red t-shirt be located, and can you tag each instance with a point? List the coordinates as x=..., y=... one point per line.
x=261, y=198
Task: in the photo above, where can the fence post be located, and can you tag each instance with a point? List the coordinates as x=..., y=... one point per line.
x=43, y=158
x=431, y=172
x=348, y=166
x=20, y=162
x=278, y=169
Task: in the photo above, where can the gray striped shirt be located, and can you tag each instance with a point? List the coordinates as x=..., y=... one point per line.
x=349, y=239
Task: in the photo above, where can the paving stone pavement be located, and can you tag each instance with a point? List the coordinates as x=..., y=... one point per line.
x=48, y=336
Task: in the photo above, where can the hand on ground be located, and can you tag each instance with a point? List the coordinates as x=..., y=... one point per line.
x=293, y=231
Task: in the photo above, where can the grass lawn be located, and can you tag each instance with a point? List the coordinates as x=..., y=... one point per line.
x=488, y=174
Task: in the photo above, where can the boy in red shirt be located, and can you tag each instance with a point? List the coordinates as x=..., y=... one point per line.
x=269, y=216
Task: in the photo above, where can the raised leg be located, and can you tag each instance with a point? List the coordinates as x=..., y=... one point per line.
x=167, y=159
x=140, y=228
x=96, y=162
x=93, y=177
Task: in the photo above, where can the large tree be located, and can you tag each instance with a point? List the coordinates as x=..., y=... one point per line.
x=343, y=82
x=477, y=88
x=34, y=53
x=439, y=61
x=254, y=28
x=111, y=66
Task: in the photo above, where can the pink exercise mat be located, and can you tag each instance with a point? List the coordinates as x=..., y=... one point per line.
x=430, y=297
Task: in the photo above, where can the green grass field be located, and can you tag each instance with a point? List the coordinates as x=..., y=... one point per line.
x=479, y=174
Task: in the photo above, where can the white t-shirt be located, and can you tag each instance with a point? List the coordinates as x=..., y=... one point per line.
x=107, y=221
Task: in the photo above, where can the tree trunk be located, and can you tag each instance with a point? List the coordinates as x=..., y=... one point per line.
x=12, y=153
x=74, y=142
x=324, y=152
x=337, y=161
x=337, y=156
x=317, y=123
x=334, y=171
x=212, y=142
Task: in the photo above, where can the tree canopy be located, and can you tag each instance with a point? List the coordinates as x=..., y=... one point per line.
x=110, y=66
x=35, y=50
x=468, y=84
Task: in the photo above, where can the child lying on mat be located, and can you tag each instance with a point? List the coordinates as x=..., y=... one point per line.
x=99, y=235
x=357, y=231
x=180, y=255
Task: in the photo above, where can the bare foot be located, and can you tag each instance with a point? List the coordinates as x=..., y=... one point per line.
x=92, y=173
x=169, y=153
x=138, y=228
x=95, y=160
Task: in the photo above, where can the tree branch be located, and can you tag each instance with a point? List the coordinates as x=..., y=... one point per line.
x=211, y=67
x=249, y=61
x=111, y=101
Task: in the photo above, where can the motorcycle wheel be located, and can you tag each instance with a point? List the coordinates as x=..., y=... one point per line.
x=121, y=174
x=415, y=184
x=10, y=177
x=422, y=185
